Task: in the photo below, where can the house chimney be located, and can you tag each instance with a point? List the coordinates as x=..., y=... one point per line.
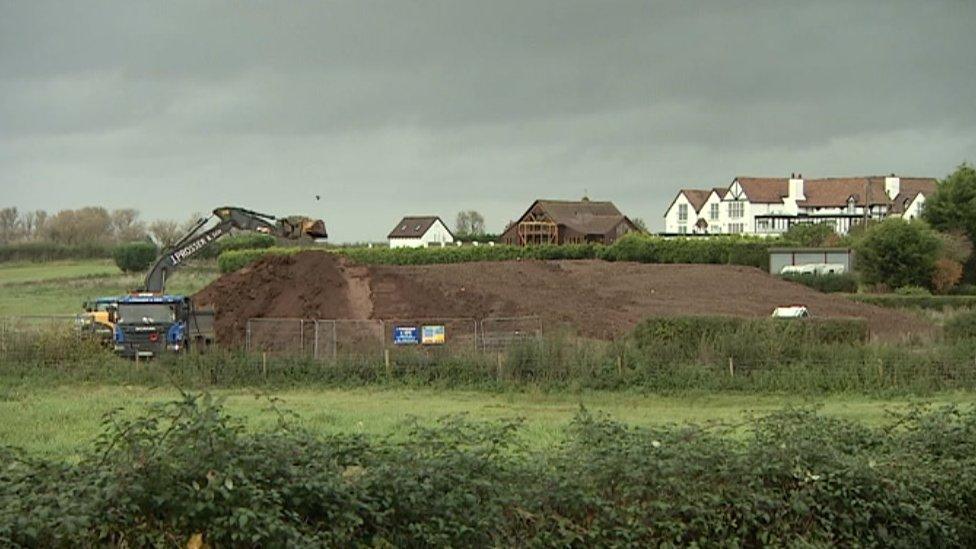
x=892, y=186
x=796, y=187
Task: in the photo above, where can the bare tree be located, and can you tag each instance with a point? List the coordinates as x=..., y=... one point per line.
x=10, y=226
x=166, y=232
x=84, y=225
x=31, y=224
x=127, y=226
x=469, y=223
x=639, y=223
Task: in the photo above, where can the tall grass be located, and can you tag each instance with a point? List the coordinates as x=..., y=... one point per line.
x=763, y=362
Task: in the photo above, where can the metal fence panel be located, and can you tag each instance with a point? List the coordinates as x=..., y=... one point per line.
x=501, y=333
x=282, y=336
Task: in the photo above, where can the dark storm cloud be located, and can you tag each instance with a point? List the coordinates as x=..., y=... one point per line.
x=396, y=107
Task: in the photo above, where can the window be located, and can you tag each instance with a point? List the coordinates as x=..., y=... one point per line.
x=736, y=210
x=713, y=212
x=682, y=229
x=762, y=224
x=682, y=212
x=736, y=228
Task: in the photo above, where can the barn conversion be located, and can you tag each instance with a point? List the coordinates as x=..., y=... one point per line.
x=420, y=232
x=568, y=222
x=771, y=205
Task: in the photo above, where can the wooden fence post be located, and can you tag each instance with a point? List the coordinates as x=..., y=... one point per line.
x=386, y=360
x=264, y=365
x=500, y=368
x=731, y=367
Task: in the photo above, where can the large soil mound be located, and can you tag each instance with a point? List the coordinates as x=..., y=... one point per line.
x=596, y=298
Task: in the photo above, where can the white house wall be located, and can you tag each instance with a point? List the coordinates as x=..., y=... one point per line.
x=437, y=234
x=671, y=222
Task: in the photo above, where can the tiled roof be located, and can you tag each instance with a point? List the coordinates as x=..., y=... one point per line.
x=583, y=216
x=413, y=226
x=765, y=190
x=697, y=197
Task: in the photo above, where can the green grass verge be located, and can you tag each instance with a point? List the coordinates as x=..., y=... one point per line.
x=60, y=287
x=60, y=422
x=24, y=272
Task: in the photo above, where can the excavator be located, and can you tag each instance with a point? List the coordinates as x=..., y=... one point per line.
x=149, y=321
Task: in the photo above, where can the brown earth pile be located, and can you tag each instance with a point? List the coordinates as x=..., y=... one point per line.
x=596, y=298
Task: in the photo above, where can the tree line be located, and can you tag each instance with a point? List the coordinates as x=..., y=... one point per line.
x=88, y=225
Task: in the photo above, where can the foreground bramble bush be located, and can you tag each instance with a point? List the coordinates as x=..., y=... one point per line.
x=794, y=478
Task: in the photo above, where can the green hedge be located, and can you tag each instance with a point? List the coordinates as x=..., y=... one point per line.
x=243, y=241
x=640, y=248
x=961, y=327
x=827, y=283
x=793, y=478
x=733, y=250
x=757, y=341
x=931, y=302
x=46, y=251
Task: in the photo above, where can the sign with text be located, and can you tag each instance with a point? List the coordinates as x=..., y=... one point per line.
x=434, y=335
x=406, y=335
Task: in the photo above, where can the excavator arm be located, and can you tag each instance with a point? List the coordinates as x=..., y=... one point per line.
x=229, y=218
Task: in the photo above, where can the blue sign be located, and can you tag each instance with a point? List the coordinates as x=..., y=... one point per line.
x=406, y=335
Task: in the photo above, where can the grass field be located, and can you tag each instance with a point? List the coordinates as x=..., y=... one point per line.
x=60, y=287
x=60, y=422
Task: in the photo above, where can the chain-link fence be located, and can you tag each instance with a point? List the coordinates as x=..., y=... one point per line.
x=281, y=336
x=498, y=334
x=380, y=339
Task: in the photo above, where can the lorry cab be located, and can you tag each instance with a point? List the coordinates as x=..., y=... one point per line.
x=149, y=325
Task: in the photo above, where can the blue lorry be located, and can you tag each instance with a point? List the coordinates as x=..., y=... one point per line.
x=148, y=325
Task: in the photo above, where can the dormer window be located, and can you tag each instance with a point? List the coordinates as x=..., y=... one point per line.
x=417, y=228
x=851, y=204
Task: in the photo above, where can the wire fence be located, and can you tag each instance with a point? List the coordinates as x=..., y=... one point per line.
x=388, y=339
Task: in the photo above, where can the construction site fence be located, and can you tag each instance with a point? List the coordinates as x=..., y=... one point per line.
x=388, y=339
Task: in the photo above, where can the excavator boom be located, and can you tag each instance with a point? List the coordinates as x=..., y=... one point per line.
x=229, y=218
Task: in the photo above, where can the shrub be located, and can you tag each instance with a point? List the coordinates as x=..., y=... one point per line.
x=47, y=251
x=961, y=327
x=928, y=302
x=187, y=469
x=828, y=283
x=913, y=291
x=898, y=253
x=810, y=234
x=134, y=256
x=945, y=275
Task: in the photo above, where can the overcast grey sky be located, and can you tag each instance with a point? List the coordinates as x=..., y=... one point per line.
x=415, y=107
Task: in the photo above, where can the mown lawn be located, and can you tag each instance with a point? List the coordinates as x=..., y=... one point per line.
x=60, y=287
x=59, y=422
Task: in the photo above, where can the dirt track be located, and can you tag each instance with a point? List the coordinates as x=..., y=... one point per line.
x=597, y=298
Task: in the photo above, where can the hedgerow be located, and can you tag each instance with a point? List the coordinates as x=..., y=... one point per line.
x=827, y=283
x=633, y=247
x=46, y=251
x=932, y=302
x=187, y=471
